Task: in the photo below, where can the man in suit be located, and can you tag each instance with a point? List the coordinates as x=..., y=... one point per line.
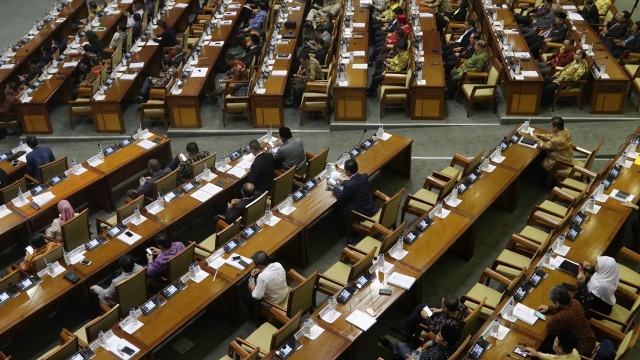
x=261, y=172
x=461, y=53
x=631, y=42
x=618, y=27
x=590, y=12
x=555, y=33
x=145, y=186
x=168, y=36
x=178, y=56
x=253, y=50
x=38, y=156
x=354, y=193
x=235, y=207
x=290, y=153
x=463, y=41
x=476, y=62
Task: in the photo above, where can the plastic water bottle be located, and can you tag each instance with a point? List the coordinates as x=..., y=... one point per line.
x=547, y=258
x=622, y=159
x=269, y=132
x=559, y=242
x=136, y=213
x=583, y=39
x=526, y=125
x=289, y=201
x=454, y=193
x=267, y=214
x=380, y=132
x=509, y=308
x=439, y=208
x=102, y=339
x=74, y=168
x=591, y=204
x=100, y=153
x=192, y=271
x=50, y=267
x=307, y=327
x=160, y=201
x=132, y=316
x=332, y=303
x=495, y=326
x=380, y=261
x=400, y=244
x=498, y=152
x=603, y=69
x=517, y=70
x=206, y=171
x=66, y=257
x=139, y=131
x=600, y=189
x=20, y=195
x=327, y=171
x=21, y=145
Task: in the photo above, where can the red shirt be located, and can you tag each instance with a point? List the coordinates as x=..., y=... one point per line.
x=238, y=72
x=9, y=105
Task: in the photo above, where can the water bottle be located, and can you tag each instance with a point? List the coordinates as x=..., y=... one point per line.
x=560, y=242
x=289, y=201
x=495, y=326
x=591, y=205
x=583, y=39
x=380, y=132
x=102, y=339
x=380, y=261
x=132, y=316
x=632, y=146
x=192, y=271
x=267, y=214
x=485, y=163
x=498, y=152
x=400, y=244
x=290, y=8
x=603, y=69
x=206, y=171
x=139, y=131
x=136, y=213
x=50, y=267
x=547, y=258
x=526, y=125
x=509, y=309
x=622, y=159
x=439, y=208
x=351, y=56
x=160, y=201
x=21, y=145
x=327, y=171
x=517, y=70
x=100, y=153
x=600, y=189
x=332, y=303
x=66, y=257
x=269, y=133
x=307, y=327
x=454, y=193
x=21, y=195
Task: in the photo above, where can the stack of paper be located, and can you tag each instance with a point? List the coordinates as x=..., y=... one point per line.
x=525, y=314
x=401, y=280
x=361, y=319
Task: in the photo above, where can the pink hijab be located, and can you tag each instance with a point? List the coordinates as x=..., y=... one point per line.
x=66, y=211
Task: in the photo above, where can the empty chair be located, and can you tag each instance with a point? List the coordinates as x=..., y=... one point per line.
x=216, y=240
x=121, y=214
x=461, y=165
x=482, y=290
x=10, y=191
x=388, y=238
x=352, y=263
x=629, y=277
x=517, y=255
x=10, y=279
x=89, y=332
x=558, y=204
x=282, y=187
x=69, y=346
x=538, y=229
x=315, y=165
x=242, y=351
x=436, y=187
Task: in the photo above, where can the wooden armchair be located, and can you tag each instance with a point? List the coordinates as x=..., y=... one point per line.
x=482, y=290
x=622, y=317
x=559, y=203
x=301, y=297
x=578, y=181
x=316, y=98
x=352, y=263
x=380, y=238
x=75, y=232
x=89, y=331
x=130, y=293
x=539, y=228
x=10, y=278
x=461, y=165
x=633, y=70
x=561, y=170
x=570, y=89
x=155, y=107
x=268, y=337
x=237, y=103
x=122, y=213
x=49, y=170
x=481, y=92
x=10, y=121
x=626, y=341
x=387, y=215
x=10, y=191
x=216, y=240
x=68, y=346
x=396, y=90
x=435, y=188
x=517, y=255
x=282, y=187
x=40, y=261
x=244, y=351
x=629, y=278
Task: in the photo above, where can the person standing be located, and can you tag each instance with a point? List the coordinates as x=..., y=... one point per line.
x=38, y=156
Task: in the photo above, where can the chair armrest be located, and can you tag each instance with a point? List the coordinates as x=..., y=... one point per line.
x=628, y=254
x=351, y=254
x=331, y=280
x=605, y=331
x=243, y=342
x=32, y=179
x=489, y=274
x=198, y=246
x=476, y=75
x=459, y=160
x=294, y=276
x=557, y=192
x=394, y=78
x=102, y=221
x=380, y=195
x=518, y=242
x=377, y=229
x=319, y=86
x=356, y=215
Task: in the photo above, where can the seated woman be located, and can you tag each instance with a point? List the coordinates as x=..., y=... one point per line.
x=598, y=293
x=38, y=247
x=66, y=214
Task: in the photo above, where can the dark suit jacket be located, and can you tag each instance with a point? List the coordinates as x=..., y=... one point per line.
x=233, y=213
x=261, y=173
x=251, y=53
x=178, y=59
x=617, y=29
x=591, y=14
x=37, y=157
x=167, y=38
x=354, y=194
x=466, y=38
x=34, y=73
x=633, y=44
x=146, y=189
x=559, y=33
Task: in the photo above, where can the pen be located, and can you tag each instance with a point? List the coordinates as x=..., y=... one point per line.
x=513, y=357
x=214, y=275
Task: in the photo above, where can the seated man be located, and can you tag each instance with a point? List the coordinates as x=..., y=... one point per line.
x=290, y=153
x=162, y=253
x=136, y=8
x=168, y=36
x=270, y=279
x=261, y=171
x=540, y=11
x=630, y=42
x=177, y=56
x=530, y=31
x=330, y=6
x=476, y=62
x=572, y=72
x=559, y=58
x=235, y=207
x=568, y=315
x=439, y=349
x=463, y=41
x=136, y=29
x=145, y=186
x=9, y=104
x=309, y=71
x=590, y=12
x=252, y=51
x=128, y=266
x=118, y=36
x=461, y=53
x=193, y=154
x=452, y=313
x=38, y=156
x=555, y=33
x=354, y=193
x=398, y=63
x=238, y=72
x=558, y=144
x=257, y=20
x=36, y=67
x=617, y=27
x=564, y=347
x=166, y=75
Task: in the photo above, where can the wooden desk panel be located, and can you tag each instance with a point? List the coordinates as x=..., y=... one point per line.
x=13, y=172
x=14, y=229
x=427, y=101
x=393, y=154
x=350, y=100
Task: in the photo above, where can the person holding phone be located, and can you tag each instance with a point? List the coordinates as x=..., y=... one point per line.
x=162, y=253
x=438, y=349
x=269, y=281
x=452, y=312
x=128, y=267
x=564, y=347
x=598, y=291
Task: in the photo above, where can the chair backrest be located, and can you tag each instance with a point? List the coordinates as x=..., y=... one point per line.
x=128, y=40
x=10, y=192
x=461, y=348
x=633, y=312
x=132, y=291
x=254, y=210
x=179, y=264
x=387, y=243
x=228, y=233
x=282, y=186
x=316, y=164
x=407, y=82
x=129, y=208
x=56, y=167
x=52, y=256
x=242, y=351
x=628, y=342
x=470, y=320
x=362, y=265
x=10, y=279
x=301, y=297
x=116, y=57
x=64, y=351
x=588, y=163
x=198, y=166
x=495, y=73
x=75, y=232
x=389, y=211
x=473, y=163
x=285, y=332
x=102, y=323
x=166, y=183
x=515, y=282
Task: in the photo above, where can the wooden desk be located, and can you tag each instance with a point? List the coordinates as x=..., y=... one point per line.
x=14, y=228
x=328, y=345
x=427, y=100
x=350, y=100
x=267, y=110
x=393, y=154
x=13, y=172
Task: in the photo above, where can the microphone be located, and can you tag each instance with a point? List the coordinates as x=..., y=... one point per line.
x=361, y=137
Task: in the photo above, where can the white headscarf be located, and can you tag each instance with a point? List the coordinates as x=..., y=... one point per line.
x=604, y=282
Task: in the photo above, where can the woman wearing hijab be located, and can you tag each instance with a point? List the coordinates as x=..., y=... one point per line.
x=66, y=214
x=598, y=293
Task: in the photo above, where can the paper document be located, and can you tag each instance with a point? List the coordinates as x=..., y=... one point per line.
x=129, y=239
x=361, y=319
x=525, y=314
x=401, y=280
x=146, y=144
x=43, y=198
x=4, y=211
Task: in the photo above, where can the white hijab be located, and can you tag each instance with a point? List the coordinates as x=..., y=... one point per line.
x=604, y=282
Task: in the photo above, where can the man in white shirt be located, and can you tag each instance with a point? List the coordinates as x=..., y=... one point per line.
x=128, y=267
x=270, y=279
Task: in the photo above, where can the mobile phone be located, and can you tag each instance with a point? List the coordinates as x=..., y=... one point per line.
x=127, y=350
x=540, y=315
x=384, y=291
x=149, y=251
x=128, y=233
x=235, y=258
x=143, y=179
x=520, y=352
x=85, y=262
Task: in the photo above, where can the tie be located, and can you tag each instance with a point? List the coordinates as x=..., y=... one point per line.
x=629, y=38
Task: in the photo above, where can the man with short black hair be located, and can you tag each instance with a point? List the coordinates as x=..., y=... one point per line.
x=564, y=347
x=568, y=315
x=193, y=155
x=261, y=171
x=270, y=279
x=630, y=42
x=145, y=186
x=309, y=71
x=178, y=56
x=290, y=152
x=452, y=312
x=354, y=193
x=128, y=266
x=118, y=36
x=439, y=349
x=590, y=12
x=168, y=36
x=252, y=51
x=163, y=253
x=617, y=27
x=38, y=156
